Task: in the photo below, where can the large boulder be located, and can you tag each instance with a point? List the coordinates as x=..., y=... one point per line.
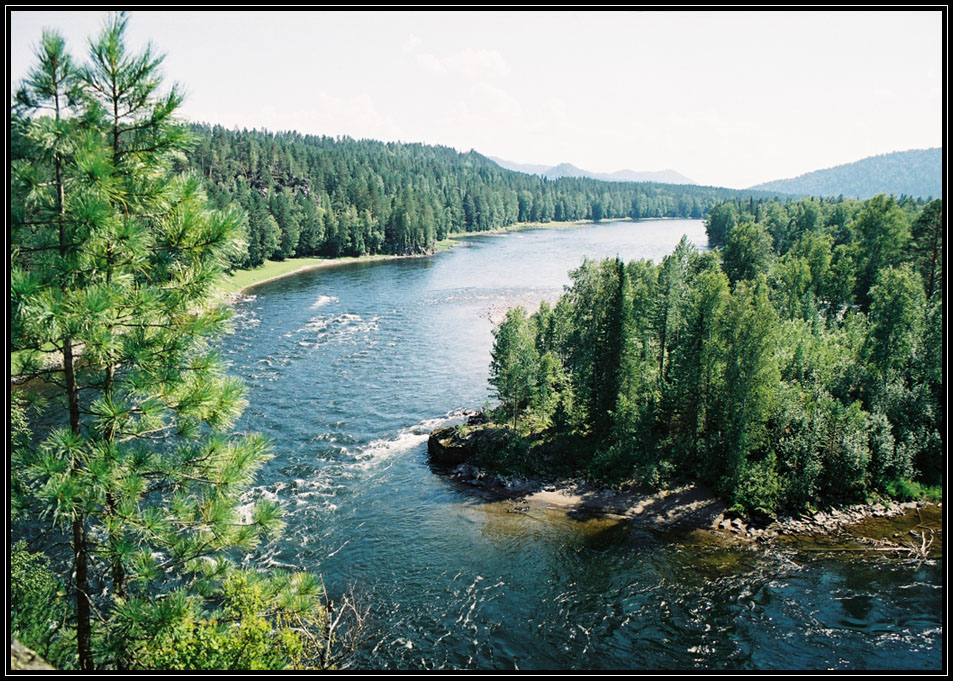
x=450, y=446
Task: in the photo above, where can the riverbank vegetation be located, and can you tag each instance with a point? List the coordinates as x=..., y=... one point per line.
x=797, y=365
x=128, y=477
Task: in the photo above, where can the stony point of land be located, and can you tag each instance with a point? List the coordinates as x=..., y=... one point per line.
x=909, y=528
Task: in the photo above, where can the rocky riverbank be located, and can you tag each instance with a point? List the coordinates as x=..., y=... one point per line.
x=912, y=527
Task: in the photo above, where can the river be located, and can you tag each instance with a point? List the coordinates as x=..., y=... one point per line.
x=349, y=368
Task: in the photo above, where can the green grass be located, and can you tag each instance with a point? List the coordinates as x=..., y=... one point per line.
x=242, y=279
x=523, y=226
x=909, y=490
x=445, y=244
x=239, y=280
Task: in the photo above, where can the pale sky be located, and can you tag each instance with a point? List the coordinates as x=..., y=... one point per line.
x=727, y=98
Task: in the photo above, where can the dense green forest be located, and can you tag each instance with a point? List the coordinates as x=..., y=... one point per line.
x=917, y=173
x=797, y=365
x=308, y=195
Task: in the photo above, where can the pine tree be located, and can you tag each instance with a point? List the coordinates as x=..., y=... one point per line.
x=927, y=246
x=116, y=255
x=698, y=373
x=748, y=251
x=44, y=255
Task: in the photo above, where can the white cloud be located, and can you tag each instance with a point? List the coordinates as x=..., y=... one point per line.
x=495, y=101
x=430, y=63
x=475, y=64
x=553, y=116
x=411, y=44
x=478, y=63
x=357, y=117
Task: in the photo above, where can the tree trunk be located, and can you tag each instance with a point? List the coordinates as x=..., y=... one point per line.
x=83, y=620
x=80, y=548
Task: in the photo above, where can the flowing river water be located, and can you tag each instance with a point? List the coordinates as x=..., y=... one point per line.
x=349, y=368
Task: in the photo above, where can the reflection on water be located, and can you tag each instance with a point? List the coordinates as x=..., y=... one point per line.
x=350, y=368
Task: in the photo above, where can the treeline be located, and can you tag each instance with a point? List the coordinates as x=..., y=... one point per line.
x=310, y=195
x=798, y=364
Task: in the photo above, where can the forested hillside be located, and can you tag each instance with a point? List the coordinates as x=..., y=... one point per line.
x=917, y=173
x=308, y=195
x=799, y=364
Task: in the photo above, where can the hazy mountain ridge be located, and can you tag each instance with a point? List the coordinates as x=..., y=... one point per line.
x=568, y=170
x=916, y=172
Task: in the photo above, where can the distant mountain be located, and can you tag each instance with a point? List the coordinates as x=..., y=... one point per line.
x=527, y=168
x=569, y=170
x=918, y=172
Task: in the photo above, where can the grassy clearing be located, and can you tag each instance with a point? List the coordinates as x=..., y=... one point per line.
x=523, y=226
x=239, y=280
x=445, y=244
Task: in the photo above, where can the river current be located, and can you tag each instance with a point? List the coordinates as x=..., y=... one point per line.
x=349, y=368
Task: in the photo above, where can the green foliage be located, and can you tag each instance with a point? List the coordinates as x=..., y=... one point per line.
x=264, y=623
x=515, y=363
x=897, y=310
x=594, y=351
x=39, y=608
x=721, y=220
x=887, y=461
x=846, y=453
x=115, y=255
x=339, y=196
x=19, y=442
x=926, y=246
x=882, y=233
x=759, y=486
x=696, y=387
x=752, y=376
x=915, y=413
x=748, y=252
x=909, y=490
x=782, y=389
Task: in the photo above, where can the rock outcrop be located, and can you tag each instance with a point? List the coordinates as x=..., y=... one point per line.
x=451, y=446
x=24, y=659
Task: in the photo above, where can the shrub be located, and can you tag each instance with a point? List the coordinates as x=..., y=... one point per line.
x=39, y=608
x=759, y=486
